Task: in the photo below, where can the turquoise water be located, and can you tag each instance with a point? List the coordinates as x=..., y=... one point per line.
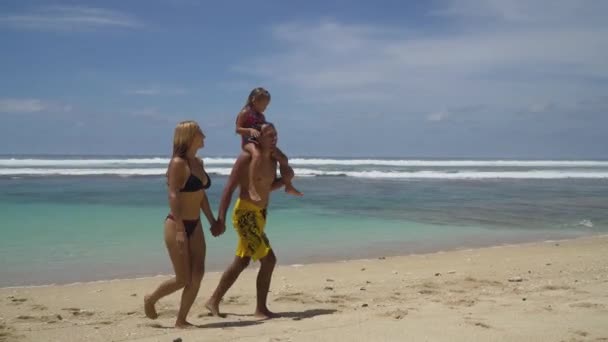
x=61, y=229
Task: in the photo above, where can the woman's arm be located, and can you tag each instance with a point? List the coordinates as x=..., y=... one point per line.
x=177, y=178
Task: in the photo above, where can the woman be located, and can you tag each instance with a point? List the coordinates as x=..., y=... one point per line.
x=187, y=182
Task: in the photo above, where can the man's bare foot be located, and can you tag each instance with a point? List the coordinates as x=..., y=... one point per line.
x=214, y=309
x=253, y=194
x=290, y=189
x=265, y=314
x=149, y=308
x=184, y=325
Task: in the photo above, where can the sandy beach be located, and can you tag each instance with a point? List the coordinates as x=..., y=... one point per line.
x=548, y=291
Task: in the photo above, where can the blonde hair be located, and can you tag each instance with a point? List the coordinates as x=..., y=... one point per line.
x=184, y=135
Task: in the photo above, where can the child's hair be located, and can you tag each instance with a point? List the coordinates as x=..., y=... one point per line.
x=256, y=94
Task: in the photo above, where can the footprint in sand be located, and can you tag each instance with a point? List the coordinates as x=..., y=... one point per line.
x=39, y=307
x=79, y=312
x=338, y=299
x=101, y=323
x=587, y=305
x=468, y=302
x=426, y=288
x=7, y=333
x=17, y=301
x=235, y=300
x=482, y=282
x=427, y=292
x=556, y=287
x=457, y=291
x=477, y=323
x=289, y=297
x=40, y=319
x=395, y=314
x=296, y=297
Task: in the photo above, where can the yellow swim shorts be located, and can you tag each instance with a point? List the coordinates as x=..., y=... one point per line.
x=249, y=221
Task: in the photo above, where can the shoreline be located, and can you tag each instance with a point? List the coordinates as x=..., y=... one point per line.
x=328, y=261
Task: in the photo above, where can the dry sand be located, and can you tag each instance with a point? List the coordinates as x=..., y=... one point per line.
x=549, y=291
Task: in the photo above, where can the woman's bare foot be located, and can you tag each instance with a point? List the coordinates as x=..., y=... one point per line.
x=214, y=308
x=183, y=325
x=149, y=308
x=290, y=189
x=265, y=314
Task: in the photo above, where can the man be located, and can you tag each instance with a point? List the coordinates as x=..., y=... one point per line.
x=249, y=219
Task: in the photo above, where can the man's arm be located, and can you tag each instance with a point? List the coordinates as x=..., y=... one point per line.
x=231, y=185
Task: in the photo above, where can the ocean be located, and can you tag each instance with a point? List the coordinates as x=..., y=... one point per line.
x=84, y=218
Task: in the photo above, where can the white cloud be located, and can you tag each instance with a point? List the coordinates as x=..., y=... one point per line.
x=25, y=106
x=540, y=107
x=156, y=90
x=21, y=106
x=69, y=18
x=152, y=114
x=525, y=11
x=438, y=116
x=528, y=55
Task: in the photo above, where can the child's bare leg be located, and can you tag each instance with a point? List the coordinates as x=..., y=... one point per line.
x=289, y=188
x=283, y=167
x=253, y=167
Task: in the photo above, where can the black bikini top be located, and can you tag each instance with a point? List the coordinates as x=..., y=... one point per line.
x=194, y=183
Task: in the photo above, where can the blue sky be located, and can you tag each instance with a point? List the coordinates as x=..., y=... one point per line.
x=449, y=78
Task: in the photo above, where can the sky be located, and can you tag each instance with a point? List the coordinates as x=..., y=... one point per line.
x=438, y=78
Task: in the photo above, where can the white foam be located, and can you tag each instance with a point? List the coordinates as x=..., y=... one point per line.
x=81, y=172
x=80, y=162
x=533, y=174
x=16, y=162
x=586, y=223
x=451, y=163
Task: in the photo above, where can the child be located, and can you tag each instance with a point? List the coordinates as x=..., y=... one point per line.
x=248, y=124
